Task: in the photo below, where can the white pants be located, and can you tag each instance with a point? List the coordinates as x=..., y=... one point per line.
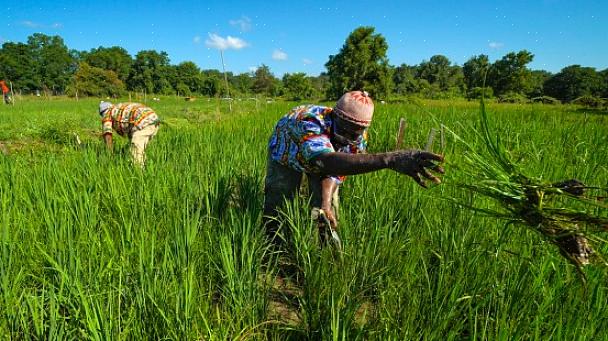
x=139, y=141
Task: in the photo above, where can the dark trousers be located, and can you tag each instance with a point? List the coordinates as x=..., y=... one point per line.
x=283, y=183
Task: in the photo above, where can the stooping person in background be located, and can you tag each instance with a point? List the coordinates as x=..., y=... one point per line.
x=328, y=144
x=134, y=120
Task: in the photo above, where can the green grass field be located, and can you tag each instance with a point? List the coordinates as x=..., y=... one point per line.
x=91, y=248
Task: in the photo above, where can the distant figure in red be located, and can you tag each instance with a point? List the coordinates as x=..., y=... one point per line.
x=5, y=92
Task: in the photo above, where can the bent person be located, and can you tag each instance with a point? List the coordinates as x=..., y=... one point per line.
x=6, y=92
x=328, y=144
x=134, y=120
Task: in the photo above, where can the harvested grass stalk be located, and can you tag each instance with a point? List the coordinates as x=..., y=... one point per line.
x=562, y=212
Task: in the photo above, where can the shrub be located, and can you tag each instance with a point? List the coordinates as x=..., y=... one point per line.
x=545, y=100
x=589, y=102
x=512, y=97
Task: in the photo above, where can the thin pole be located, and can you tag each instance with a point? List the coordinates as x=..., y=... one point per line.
x=400, y=134
x=429, y=142
x=226, y=79
x=12, y=93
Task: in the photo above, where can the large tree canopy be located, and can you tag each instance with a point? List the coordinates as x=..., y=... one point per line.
x=574, y=81
x=511, y=74
x=113, y=58
x=361, y=64
x=53, y=62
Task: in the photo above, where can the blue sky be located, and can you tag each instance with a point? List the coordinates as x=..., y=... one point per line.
x=299, y=36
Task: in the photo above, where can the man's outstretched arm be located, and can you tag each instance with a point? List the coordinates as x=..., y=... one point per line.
x=415, y=163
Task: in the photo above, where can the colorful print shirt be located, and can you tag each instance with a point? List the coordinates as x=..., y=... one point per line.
x=127, y=118
x=303, y=134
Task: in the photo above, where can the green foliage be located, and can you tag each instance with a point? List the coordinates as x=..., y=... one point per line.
x=545, y=100
x=148, y=72
x=361, y=64
x=297, y=86
x=92, y=249
x=475, y=71
x=17, y=64
x=574, y=81
x=96, y=82
x=480, y=92
x=264, y=82
x=512, y=97
x=439, y=72
x=589, y=102
x=404, y=78
x=242, y=83
x=510, y=74
x=188, y=74
x=113, y=58
x=52, y=61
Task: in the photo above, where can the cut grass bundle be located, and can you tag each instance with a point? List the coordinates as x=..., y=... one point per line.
x=563, y=213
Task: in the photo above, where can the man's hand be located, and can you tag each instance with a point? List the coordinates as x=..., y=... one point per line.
x=416, y=164
x=329, y=215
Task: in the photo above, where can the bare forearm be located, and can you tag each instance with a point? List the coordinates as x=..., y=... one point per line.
x=328, y=187
x=108, y=139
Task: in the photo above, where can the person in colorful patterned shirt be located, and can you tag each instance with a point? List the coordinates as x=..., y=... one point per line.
x=136, y=121
x=328, y=144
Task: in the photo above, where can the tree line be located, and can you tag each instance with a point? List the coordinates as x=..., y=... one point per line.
x=44, y=63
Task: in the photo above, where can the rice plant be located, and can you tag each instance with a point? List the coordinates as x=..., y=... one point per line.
x=563, y=212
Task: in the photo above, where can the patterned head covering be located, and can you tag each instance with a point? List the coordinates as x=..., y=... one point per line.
x=103, y=106
x=356, y=107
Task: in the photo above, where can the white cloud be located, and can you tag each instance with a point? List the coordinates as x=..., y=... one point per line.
x=279, y=55
x=253, y=69
x=30, y=24
x=196, y=39
x=496, y=45
x=227, y=43
x=244, y=23
x=306, y=61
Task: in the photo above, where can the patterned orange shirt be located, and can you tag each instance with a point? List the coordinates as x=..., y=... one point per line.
x=127, y=118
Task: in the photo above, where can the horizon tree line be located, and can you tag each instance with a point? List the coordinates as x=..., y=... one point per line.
x=45, y=63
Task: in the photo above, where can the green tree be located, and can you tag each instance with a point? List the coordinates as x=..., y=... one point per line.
x=264, y=82
x=574, y=81
x=113, y=58
x=242, y=83
x=361, y=64
x=297, y=86
x=320, y=83
x=537, y=81
x=18, y=65
x=404, y=79
x=212, y=83
x=53, y=62
x=93, y=81
x=188, y=74
x=149, y=72
x=475, y=70
x=604, y=75
x=510, y=74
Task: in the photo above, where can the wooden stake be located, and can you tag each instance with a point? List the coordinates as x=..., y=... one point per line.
x=12, y=93
x=402, y=126
x=429, y=142
x=442, y=140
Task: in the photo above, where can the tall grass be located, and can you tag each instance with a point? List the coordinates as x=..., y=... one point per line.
x=91, y=248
